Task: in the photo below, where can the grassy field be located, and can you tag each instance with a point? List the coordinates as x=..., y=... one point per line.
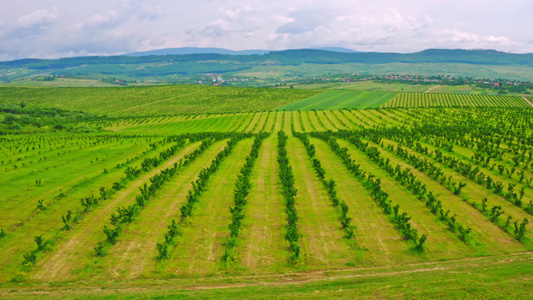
x=155, y=100
x=148, y=206
x=340, y=100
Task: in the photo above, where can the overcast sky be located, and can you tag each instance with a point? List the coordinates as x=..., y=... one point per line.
x=59, y=28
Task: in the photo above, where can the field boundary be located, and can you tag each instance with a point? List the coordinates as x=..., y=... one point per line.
x=220, y=283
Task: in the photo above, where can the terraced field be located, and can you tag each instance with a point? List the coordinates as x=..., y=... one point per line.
x=256, y=195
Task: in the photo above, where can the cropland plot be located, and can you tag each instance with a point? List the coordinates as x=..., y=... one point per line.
x=135, y=253
x=487, y=236
x=323, y=243
x=377, y=242
x=454, y=100
x=199, y=249
x=49, y=223
x=474, y=193
x=441, y=243
x=54, y=172
x=340, y=100
x=156, y=100
x=263, y=246
x=78, y=249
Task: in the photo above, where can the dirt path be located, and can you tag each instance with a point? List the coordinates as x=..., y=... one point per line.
x=144, y=287
x=80, y=243
x=432, y=88
x=527, y=100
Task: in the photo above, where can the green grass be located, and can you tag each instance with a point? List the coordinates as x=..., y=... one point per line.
x=340, y=100
x=377, y=263
x=155, y=100
x=454, y=100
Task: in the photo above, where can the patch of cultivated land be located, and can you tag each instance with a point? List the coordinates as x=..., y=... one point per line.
x=340, y=100
x=411, y=154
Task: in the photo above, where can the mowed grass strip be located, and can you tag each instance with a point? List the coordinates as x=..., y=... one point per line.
x=296, y=120
x=323, y=119
x=135, y=253
x=475, y=193
x=78, y=249
x=313, y=118
x=340, y=100
x=488, y=238
x=47, y=223
x=323, y=243
x=380, y=242
x=199, y=248
x=70, y=171
x=269, y=125
x=442, y=244
x=262, y=246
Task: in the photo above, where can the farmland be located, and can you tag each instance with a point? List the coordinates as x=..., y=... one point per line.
x=340, y=100
x=256, y=201
x=432, y=100
x=154, y=101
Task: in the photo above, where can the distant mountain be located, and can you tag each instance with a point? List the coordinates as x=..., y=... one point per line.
x=195, y=50
x=336, y=49
x=161, y=64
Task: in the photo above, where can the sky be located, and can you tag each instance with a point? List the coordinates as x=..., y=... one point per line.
x=63, y=28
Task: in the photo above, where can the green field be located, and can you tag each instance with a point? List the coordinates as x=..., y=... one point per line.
x=454, y=100
x=340, y=100
x=154, y=100
x=417, y=202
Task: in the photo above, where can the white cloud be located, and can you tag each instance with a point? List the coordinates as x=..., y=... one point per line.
x=470, y=40
x=38, y=17
x=55, y=28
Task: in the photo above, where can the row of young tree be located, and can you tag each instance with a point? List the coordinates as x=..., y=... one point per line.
x=340, y=205
x=87, y=204
x=193, y=196
x=405, y=177
x=240, y=193
x=289, y=193
x=435, y=205
x=400, y=220
x=125, y=215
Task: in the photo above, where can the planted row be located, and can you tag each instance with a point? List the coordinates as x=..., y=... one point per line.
x=193, y=196
x=240, y=192
x=340, y=206
x=127, y=214
x=400, y=220
x=289, y=193
x=87, y=204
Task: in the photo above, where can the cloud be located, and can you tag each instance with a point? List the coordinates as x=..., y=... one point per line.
x=54, y=28
x=470, y=40
x=38, y=18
